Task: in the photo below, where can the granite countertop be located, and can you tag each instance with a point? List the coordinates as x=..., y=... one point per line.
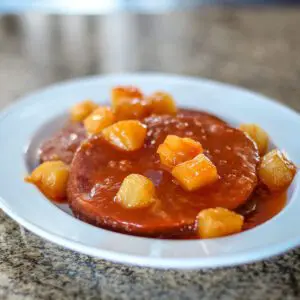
x=257, y=48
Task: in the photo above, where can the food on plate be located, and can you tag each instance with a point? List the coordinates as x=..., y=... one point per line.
x=259, y=136
x=128, y=108
x=162, y=103
x=99, y=168
x=136, y=191
x=51, y=178
x=119, y=93
x=63, y=144
x=217, y=222
x=146, y=167
x=81, y=110
x=276, y=171
x=175, y=150
x=99, y=119
x=127, y=135
x=195, y=173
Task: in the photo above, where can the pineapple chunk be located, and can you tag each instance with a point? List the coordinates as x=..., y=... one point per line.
x=136, y=191
x=131, y=108
x=98, y=120
x=124, y=92
x=51, y=178
x=195, y=173
x=126, y=135
x=258, y=135
x=81, y=110
x=162, y=103
x=276, y=171
x=176, y=150
x=217, y=222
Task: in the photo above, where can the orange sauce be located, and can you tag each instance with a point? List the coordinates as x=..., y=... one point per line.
x=267, y=206
x=98, y=170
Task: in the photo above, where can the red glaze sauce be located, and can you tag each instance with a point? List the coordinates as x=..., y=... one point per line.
x=267, y=206
x=98, y=170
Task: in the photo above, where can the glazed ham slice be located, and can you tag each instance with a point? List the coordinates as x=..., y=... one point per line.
x=63, y=144
x=98, y=169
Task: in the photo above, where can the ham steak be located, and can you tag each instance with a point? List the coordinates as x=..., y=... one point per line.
x=98, y=170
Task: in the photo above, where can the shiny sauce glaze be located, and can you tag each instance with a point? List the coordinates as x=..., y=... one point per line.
x=63, y=144
x=264, y=205
x=98, y=170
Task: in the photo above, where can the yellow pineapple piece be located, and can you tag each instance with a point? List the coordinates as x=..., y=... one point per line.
x=126, y=135
x=120, y=93
x=128, y=108
x=51, y=178
x=175, y=150
x=162, y=103
x=136, y=191
x=258, y=135
x=99, y=119
x=81, y=110
x=276, y=171
x=217, y=222
x=195, y=173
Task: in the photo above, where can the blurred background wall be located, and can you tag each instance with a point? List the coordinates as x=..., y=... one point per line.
x=255, y=46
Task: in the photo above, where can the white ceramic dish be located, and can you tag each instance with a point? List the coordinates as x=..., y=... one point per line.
x=20, y=132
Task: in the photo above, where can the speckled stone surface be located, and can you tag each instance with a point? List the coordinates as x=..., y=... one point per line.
x=255, y=48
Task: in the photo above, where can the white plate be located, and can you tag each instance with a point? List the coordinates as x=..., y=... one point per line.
x=20, y=128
